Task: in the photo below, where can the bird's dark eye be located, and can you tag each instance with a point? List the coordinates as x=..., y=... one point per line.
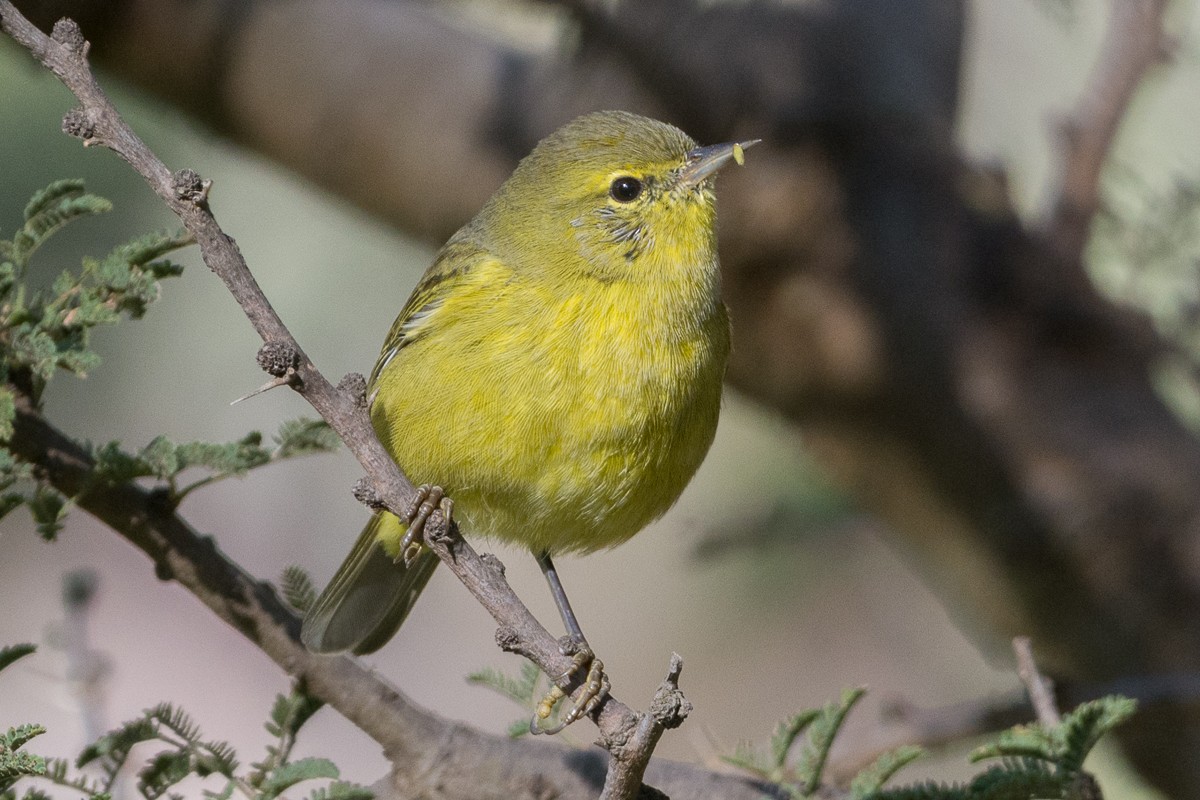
x=625, y=189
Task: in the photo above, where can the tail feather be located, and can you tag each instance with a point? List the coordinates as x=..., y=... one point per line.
x=370, y=595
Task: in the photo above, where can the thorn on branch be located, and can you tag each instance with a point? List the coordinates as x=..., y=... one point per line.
x=277, y=358
x=365, y=492
x=78, y=123
x=189, y=187
x=274, y=383
x=67, y=33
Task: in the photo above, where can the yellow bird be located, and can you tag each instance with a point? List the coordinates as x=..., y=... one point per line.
x=557, y=370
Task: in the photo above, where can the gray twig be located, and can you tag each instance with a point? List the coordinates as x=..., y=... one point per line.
x=1041, y=691
x=1133, y=44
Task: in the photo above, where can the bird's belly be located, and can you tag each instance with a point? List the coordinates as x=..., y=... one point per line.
x=576, y=453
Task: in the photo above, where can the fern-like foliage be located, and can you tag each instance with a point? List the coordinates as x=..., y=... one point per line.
x=183, y=752
x=13, y=653
x=14, y=762
x=810, y=766
x=802, y=778
x=298, y=588
x=288, y=715
x=872, y=779
x=187, y=752
x=44, y=330
x=526, y=690
x=1033, y=762
x=165, y=460
x=47, y=329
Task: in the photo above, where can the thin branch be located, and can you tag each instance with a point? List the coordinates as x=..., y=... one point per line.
x=1133, y=44
x=628, y=763
x=97, y=122
x=1041, y=692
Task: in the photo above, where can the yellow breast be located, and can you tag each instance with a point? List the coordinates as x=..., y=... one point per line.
x=570, y=428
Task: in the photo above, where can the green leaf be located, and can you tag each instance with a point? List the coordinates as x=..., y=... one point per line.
x=48, y=330
x=176, y=720
x=15, y=652
x=8, y=270
x=33, y=348
x=141, y=251
x=113, y=465
x=517, y=728
x=928, y=790
x=216, y=757
x=160, y=457
x=821, y=734
x=786, y=733
x=50, y=210
x=872, y=779
x=19, y=764
x=114, y=746
x=15, y=738
x=32, y=793
x=1082, y=728
x=52, y=194
x=748, y=757
x=231, y=458
x=341, y=790
x=164, y=771
x=76, y=361
x=57, y=772
x=1022, y=741
x=298, y=588
x=1018, y=780
x=48, y=508
x=14, y=764
x=290, y=712
x=10, y=501
x=302, y=436
x=521, y=689
x=8, y=413
x=288, y=775
x=224, y=794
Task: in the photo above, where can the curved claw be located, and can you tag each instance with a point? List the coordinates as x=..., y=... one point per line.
x=544, y=710
x=596, y=687
x=417, y=514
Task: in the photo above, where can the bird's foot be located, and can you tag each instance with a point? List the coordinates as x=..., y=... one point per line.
x=416, y=515
x=596, y=686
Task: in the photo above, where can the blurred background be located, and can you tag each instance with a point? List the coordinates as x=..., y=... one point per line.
x=784, y=574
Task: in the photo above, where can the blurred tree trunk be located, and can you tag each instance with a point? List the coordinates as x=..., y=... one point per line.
x=954, y=369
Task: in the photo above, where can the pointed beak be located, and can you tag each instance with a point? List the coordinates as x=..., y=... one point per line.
x=704, y=161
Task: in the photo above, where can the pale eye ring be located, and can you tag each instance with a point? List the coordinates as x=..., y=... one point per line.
x=625, y=189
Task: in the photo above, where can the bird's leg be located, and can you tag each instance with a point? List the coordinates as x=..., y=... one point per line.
x=416, y=515
x=596, y=684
